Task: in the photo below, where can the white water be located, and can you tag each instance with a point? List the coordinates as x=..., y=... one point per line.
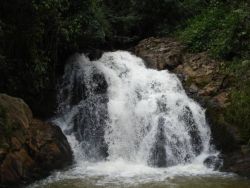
x=143, y=118
x=142, y=101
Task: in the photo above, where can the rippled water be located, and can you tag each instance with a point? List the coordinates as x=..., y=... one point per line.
x=192, y=181
x=128, y=175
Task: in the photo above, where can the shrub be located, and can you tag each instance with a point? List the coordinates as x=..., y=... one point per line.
x=238, y=113
x=220, y=29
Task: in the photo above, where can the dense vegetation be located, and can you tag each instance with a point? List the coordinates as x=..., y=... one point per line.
x=223, y=29
x=238, y=113
x=36, y=38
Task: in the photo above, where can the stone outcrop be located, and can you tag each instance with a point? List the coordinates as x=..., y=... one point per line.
x=164, y=53
x=29, y=148
x=199, y=74
x=204, y=81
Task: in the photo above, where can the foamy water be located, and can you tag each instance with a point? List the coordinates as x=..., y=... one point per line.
x=124, y=120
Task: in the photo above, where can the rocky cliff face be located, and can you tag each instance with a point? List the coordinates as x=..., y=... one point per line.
x=29, y=148
x=200, y=75
x=203, y=80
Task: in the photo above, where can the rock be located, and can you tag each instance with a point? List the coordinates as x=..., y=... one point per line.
x=200, y=75
x=188, y=118
x=29, y=148
x=158, y=152
x=165, y=53
x=213, y=162
x=222, y=99
x=193, y=88
x=203, y=72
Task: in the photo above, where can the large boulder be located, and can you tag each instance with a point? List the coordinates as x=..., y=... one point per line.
x=164, y=53
x=29, y=148
x=205, y=81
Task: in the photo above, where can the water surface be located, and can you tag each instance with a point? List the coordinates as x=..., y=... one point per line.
x=120, y=174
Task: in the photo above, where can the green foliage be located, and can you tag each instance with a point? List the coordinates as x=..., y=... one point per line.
x=38, y=35
x=238, y=113
x=159, y=16
x=85, y=24
x=194, y=6
x=123, y=21
x=135, y=19
x=220, y=29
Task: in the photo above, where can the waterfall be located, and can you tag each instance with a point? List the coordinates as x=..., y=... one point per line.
x=116, y=109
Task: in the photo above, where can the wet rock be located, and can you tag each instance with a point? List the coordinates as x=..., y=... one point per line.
x=90, y=121
x=79, y=90
x=89, y=126
x=29, y=148
x=213, y=162
x=101, y=84
x=158, y=156
x=192, y=130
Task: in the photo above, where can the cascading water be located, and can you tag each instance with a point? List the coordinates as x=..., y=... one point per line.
x=117, y=112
